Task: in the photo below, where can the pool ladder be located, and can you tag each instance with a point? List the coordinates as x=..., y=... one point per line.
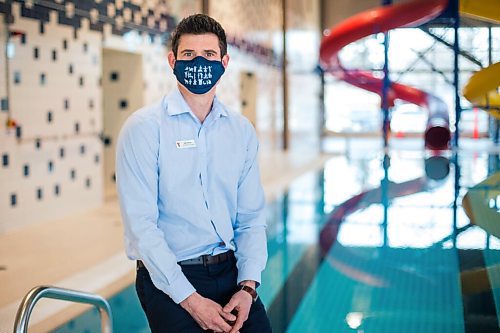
x=35, y=294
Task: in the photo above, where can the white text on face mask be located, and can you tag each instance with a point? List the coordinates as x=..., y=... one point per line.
x=198, y=75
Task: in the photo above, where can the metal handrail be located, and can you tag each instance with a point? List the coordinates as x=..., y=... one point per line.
x=35, y=294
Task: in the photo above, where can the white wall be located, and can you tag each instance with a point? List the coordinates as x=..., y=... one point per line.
x=122, y=94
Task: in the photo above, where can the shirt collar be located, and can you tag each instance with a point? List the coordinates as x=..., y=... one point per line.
x=218, y=108
x=176, y=104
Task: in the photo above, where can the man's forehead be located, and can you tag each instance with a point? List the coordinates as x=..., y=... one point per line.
x=206, y=41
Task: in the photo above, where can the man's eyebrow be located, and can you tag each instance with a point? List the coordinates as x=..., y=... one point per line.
x=187, y=50
x=210, y=50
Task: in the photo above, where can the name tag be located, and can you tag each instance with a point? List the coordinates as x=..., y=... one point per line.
x=185, y=144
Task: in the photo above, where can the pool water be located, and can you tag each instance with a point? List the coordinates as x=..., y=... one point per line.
x=371, y=243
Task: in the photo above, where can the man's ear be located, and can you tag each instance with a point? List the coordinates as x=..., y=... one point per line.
x=225, y=60
x=171, y=59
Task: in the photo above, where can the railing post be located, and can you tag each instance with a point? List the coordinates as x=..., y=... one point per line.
x=34, y=295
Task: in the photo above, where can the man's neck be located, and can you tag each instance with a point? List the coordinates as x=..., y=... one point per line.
x=200, y=105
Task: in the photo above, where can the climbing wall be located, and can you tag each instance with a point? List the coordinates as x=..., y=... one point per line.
x=52, y=155
x=52, y=159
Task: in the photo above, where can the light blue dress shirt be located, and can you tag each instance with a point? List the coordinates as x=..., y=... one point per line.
x=188, y=188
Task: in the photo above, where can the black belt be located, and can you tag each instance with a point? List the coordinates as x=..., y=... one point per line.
x=204, y=260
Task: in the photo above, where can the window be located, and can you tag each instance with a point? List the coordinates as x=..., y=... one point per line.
x=35, y=53
x=39, y=193
x=26, y=170
x=5, y=160
x=13, y=199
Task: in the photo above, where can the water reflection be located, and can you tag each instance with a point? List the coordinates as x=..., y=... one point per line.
x=437, y=167
x=381, y=244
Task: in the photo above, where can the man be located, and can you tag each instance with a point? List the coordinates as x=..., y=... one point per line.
x=191, y=199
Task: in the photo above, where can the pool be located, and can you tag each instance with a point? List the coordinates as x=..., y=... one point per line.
x=371, y=243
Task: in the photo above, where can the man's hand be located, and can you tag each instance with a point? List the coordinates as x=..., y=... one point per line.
x=207, y=313
x=241, y=302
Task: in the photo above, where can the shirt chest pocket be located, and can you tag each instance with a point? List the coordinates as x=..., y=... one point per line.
x=178, y=168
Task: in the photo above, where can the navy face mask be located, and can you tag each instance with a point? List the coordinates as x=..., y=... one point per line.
x=198, y=75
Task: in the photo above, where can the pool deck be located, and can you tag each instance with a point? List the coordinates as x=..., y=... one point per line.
x=58, y=252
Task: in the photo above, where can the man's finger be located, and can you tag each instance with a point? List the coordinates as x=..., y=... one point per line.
x=238, y=324
x=228, y=316
x=230, y=306
x=221, y=325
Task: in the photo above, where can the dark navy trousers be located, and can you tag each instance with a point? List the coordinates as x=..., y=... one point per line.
x=217, y=282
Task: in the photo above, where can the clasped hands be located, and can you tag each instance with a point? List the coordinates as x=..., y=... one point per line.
x=212, y=316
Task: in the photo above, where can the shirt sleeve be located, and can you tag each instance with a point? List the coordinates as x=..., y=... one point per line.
x=250, y=225
x=137, y=183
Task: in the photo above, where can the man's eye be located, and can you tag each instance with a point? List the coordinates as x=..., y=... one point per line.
x=210, y=54
x=187, y=54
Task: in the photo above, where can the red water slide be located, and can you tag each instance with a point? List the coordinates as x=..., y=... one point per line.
x=411, y=14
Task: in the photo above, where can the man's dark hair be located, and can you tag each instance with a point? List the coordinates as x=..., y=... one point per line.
x=199, y=24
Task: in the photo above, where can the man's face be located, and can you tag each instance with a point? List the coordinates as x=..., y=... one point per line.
x=192, y=46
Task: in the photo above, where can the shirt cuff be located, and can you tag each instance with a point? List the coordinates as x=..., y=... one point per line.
x=251, y=272
x=180, y=289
